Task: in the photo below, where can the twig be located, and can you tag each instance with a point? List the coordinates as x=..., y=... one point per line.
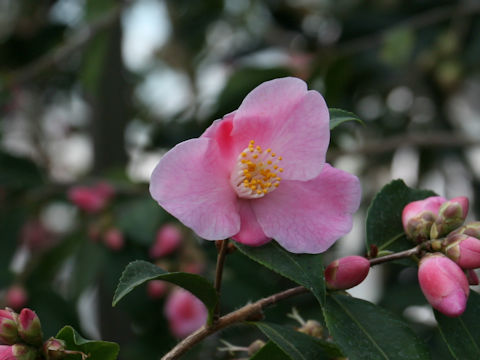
x=419, y=140
x=222, y=253
x=396, y=256
x=243, y=314
x=65, y=50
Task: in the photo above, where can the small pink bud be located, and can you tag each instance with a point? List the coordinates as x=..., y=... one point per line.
x=8, y=327
x=346, y=272
x=29, y=327
x=54, y=349
x=16, y=297
x=472, y=277
x=193, y=268
x=91, y=199
x=464, y=250
x=419, y=216
x=184, y=312
x=36, y=236
x=167, y=241
x=17, y=352
x=156, y=289
x=451, y=215
x=113, y=239
x=444, y=284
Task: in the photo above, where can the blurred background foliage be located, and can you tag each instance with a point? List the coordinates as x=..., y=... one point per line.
x=98, y=90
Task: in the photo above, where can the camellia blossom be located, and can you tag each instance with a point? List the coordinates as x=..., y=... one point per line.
x=260, y=173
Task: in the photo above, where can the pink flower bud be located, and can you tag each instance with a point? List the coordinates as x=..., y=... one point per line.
x=464, y=250
x=113, y=239
x=8, y=327
x=91, y=199
x=472, y=277
x=36, y=236
x=29, y=327
x=17, y=352
x=16, y=297
x=167, y=241
x=54, y=349
x=419, y=216
x=451, y=215
x=156, y=289
x=346, y=272
x=444, y=284
x=184, y=312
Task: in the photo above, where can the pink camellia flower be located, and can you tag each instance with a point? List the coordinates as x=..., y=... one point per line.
x=419, y=216
x=346, y=272
x=16, y=297
x=184, y=312
x=167, y=241
x=113, y=239
x=91, y=198
x=444, y=284
x=260, y=173
x=464, y=250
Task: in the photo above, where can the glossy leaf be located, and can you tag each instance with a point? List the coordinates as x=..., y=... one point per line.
x=339, y=116
x=364, y=331
x=97, y=350
x=304, y=269
x=462, y=334
x=270, y=351
x=384, y=216
x=296, y=345
x=139, y=272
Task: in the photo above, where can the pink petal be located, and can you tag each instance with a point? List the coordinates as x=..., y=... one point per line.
x=308, y=217
x=282, y=115
x=250, y=231
x=192, y=183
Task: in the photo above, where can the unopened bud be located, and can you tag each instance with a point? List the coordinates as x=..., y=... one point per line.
x=419, y=216
x=113, y=239
x=444, y=284
x=168, y=239
x=16, y=297
x=451, y=215
x=472, y=277
x=312, y=328
x=255, y=346
x=8, y=327
x=464, y=250
x=22, y=352
x=29, y=327
x=156, y=289
x=346, y=272
x=54, y=349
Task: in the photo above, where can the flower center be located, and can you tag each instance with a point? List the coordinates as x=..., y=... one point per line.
x=256, y=172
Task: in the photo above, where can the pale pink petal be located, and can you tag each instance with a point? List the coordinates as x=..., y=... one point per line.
x=192, y=184
x=220, y=131
x=250, y=231
x=308, y=217
x=282, y=115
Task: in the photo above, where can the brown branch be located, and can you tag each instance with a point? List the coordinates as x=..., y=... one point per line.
x=396, y=256
x=59, y=54
x=418, y=140
x=243, y=314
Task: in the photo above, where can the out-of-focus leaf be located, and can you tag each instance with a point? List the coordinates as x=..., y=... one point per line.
x=139, y=219
x=18, y=172
x=384, y=216
x=398, y=45
x=462, y=334
x=97, y=350
x=365, y=331
x=139, y=272
x=297, y=345
x=304, y=269
x=270, y=351
x=339, y=116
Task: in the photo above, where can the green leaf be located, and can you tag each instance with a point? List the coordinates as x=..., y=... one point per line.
x=365, y=331
x=338, y=116
x=296, y=345
x=17, y=172
x=139, y=272
x=304, y=269
x=270, y=351
x=462, y=334
x=98, y=350
x=384, y=216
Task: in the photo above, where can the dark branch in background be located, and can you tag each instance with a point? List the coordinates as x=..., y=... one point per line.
x=59, y=54
x=418, y=140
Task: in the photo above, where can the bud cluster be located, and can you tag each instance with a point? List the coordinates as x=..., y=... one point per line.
x=21, y=338
x=445, y=273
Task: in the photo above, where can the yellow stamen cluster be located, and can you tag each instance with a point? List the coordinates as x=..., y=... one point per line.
x=257, y=172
